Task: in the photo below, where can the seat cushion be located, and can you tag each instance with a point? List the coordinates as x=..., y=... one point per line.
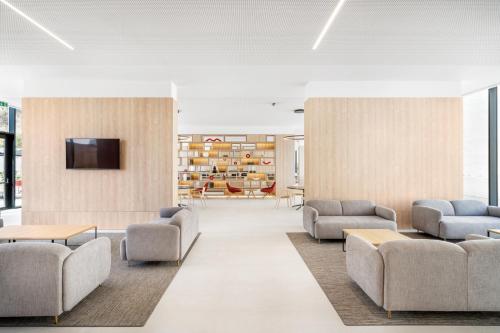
x=357, y=208
x=330, y=227
x=469, y=208
x=326, y=207
x=444, y=206
x=458, y=227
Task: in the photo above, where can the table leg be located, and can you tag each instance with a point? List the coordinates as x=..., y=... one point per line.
x=66, y=242
x=95, y=233
x=343, y=241
x=52, y=241
x=488, y=233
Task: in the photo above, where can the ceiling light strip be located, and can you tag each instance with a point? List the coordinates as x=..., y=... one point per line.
x=38, y=25
x=335, y=12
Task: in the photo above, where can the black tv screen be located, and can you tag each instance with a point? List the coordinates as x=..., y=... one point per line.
x=92, y=153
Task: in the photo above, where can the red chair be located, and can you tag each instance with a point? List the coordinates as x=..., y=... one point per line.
x=268, y=190
x=234, y=190
x=200, y=191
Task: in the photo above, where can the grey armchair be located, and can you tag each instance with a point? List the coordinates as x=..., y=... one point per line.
x=454, y=219
x=166, y=239
x=325, y=219
x=45, y=279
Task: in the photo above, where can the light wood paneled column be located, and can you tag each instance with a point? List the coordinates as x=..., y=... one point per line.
x=111, y=199
x=389, y=150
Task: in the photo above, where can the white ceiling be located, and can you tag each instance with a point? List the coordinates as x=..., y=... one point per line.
x=233, y=58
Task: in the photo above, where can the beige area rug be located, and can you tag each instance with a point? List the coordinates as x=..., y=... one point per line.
x=326, y=261
x=126, y=299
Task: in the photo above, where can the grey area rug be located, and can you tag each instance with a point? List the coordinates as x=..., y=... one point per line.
x=126, y=299
x=326, y=261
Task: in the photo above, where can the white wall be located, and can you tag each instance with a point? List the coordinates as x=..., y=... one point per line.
x=383, y=89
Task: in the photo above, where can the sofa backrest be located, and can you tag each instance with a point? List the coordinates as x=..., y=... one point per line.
x=444, y=206
x=326, y=207
x=31, y=278
x=469, y=208
x=424, y=275
x=483, y=272
x=358, y=208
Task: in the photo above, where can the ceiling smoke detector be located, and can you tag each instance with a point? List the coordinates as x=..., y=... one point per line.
x=298, y=111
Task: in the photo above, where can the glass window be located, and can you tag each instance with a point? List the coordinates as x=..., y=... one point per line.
x=19, y=159
x=4, y=117
x=476, y=146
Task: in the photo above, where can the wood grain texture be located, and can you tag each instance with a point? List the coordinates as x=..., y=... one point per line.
x=389, y=150
x=285, y=159
x=112, y=199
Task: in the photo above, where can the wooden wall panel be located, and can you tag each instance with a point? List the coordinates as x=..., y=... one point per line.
x=285, y=159
x=111, y=198
x=389, y=150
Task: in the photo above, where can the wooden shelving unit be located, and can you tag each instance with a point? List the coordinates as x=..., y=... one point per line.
x=248, y=163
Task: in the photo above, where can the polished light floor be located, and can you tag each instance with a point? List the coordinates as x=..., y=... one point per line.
x=244, y=275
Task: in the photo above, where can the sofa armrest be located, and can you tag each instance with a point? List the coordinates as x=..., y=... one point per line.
x=170, y=211
x=84, y=270
x=494, y=211
x=366, y=267
x=426, y=219
x=385, y=213
x=152, y=242
x=309, y=218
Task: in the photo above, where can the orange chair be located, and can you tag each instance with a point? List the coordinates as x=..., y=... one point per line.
x=268, y=190
x=234, y=190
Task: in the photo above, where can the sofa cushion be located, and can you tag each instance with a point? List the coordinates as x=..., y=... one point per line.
x=458, y=227
x=444, y=206
x=469, y=208
x=330, y=227
x=326, y=207
x=358, y=208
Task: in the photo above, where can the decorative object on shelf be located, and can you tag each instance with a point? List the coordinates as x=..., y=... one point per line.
x=213, y=139
x=270, y=138
x=248, y=155
x=235, y=162
x=298, y=137
x=214, y=169
x=235, y=138
x=267, y=162
x=211, y=177
x=185, y=138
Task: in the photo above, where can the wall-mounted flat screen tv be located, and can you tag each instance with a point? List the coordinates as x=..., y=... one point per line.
x=92, y=153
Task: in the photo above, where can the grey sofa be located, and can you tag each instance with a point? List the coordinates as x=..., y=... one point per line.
x=166, y=239
x=46, y=279
x=454, y=219
x=427, y=275
x=325, y=219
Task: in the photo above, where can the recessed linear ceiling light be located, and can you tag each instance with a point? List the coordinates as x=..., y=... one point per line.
x=335, y=12
x=38, y=25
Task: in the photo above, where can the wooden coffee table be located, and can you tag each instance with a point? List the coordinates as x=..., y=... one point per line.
x=44, y=232
x=493, y=231
x=373, y=236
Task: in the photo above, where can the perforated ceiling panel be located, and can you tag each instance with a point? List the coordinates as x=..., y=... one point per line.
x=252, y=32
